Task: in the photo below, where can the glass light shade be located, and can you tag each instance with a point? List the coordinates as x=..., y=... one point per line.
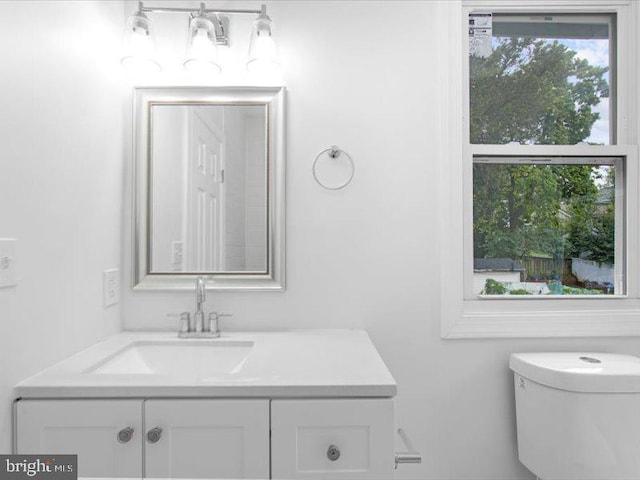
x=140, y=45
x=263, y=55
x=202, y=55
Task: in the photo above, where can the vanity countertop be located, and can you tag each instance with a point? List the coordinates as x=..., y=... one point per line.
x=309, y=363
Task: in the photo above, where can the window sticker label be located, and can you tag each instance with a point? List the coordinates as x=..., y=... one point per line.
x=480, y=33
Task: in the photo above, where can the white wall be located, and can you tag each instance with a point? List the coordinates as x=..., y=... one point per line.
x=590, y=271
x=61, y=148
x=480, y=279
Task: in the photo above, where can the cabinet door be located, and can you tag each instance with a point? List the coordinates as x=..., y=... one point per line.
x=332, y=439
x=88, y=428
x=207, y=439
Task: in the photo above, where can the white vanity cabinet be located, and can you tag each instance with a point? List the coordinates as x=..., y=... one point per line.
x=281, y=405
x=333, y=439
x=179, y=438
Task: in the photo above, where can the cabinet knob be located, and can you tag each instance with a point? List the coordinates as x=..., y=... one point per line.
x=154, y=435
x=125, y=434
x=333, y=453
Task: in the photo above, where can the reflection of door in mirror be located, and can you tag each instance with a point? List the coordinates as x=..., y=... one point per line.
x=204, y=226
x=208, y=190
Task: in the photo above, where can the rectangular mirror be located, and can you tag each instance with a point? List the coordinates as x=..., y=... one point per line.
x=209, y=188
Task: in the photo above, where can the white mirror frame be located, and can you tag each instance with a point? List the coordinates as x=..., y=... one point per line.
x=273, y=98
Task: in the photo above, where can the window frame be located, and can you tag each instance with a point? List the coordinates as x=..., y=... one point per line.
x=467, y=316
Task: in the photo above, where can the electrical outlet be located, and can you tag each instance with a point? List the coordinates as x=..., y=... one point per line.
x=177, y=249
x=111, y=286
x=8, y=275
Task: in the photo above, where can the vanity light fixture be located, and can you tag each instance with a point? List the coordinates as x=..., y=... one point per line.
x=208, y=29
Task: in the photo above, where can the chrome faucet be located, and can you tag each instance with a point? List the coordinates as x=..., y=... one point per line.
x=200, y=328
x=198, y=317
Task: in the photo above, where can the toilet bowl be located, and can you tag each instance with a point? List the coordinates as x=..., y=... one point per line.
x=578, y=415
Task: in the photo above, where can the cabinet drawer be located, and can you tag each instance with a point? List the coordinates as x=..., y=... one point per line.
x=332, y=439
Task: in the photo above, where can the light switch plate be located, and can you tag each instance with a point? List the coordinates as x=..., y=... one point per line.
x=111, y=286
x=8, y=275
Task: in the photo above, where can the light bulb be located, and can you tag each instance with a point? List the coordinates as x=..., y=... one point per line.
x=263, y=59
x=265, y=48
x=140, y=46
x=201, y=49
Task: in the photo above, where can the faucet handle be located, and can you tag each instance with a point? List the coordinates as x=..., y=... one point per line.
x=185, y=321
x=213, y=321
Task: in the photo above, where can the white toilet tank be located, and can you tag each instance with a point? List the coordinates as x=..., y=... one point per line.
x=578, y=415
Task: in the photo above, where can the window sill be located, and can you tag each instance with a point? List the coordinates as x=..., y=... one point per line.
x=553, y=321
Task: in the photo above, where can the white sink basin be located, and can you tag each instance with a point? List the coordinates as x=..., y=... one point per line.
x=200, y=358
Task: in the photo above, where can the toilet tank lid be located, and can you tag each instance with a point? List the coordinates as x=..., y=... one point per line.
x=580, y=371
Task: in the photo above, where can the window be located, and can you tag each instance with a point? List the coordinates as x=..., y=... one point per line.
x=541, y=79
x=544, y=226
x=547, y=182
x=549, y=226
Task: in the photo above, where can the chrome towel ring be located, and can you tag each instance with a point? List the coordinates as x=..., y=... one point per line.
x=334, y=153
